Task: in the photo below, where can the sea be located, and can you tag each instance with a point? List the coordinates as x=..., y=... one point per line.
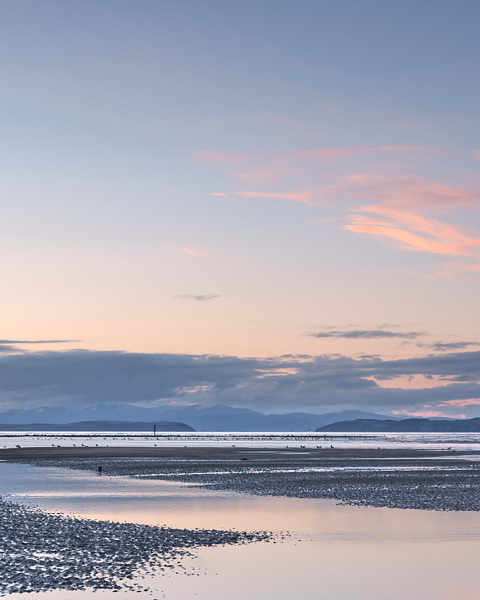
x=321, y=549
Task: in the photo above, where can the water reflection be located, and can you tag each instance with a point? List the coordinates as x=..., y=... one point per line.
x=335, y=552
x=279, y=440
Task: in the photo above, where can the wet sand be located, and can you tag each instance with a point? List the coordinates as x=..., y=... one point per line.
x=42, y=551
x=395, y=478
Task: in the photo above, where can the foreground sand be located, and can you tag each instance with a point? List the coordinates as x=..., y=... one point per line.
x=43, y=551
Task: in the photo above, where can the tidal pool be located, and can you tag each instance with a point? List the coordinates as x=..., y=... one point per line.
x=331, y=551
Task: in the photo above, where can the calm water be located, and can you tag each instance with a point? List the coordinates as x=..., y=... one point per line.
x=335, y=552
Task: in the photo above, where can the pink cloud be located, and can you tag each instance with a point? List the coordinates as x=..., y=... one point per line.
x=327, y=153
x=403, y=211
x=393, y=191
x=296, y=197
x=414, y=232
x=426, y=414
x=462, y=403
x=192, y=251
x=407, y=190
x=332, y=195
x=337, y=153
x=260, y=169
x=412, y=382
x=413, y=212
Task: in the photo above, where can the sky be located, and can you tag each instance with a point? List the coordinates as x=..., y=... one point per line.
x=270, y=204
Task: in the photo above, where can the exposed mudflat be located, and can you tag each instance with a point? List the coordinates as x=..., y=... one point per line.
x=41, y=551
x=396, y=478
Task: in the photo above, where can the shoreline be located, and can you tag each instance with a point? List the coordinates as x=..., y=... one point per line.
x=392, y=478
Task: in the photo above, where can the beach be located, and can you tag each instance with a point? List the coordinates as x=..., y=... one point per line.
x=395, y=478
x=55, y=551
x=43, y=551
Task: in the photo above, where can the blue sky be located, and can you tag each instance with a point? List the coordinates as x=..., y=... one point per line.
x=243, y=180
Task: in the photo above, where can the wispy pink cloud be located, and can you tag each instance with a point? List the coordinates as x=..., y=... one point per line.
x=426, y=414
x=336, y=153
x=403, y=211
x=390, y=201
x=413, y=231
x=346, y=191
x=262, y=169
x=413, y=382
x=192, y=251
x=462, y=403
x=296, y=197
x=407, y=190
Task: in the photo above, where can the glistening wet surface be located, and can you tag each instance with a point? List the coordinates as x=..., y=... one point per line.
x=254, y=440
x=337, y=552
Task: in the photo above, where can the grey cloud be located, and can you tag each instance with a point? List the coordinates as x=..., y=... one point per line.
x=37, y=341
x=319, y=383
x=367, y=334
x=451, y=346
x=4, y=348
x=446, y=365
x=198, y=297
x=87, y=377
x=8, y=346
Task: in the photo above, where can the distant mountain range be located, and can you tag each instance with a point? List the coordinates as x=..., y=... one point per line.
x=405, y=426
x=132, y=426
x=199, y=417
x=218, y=418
